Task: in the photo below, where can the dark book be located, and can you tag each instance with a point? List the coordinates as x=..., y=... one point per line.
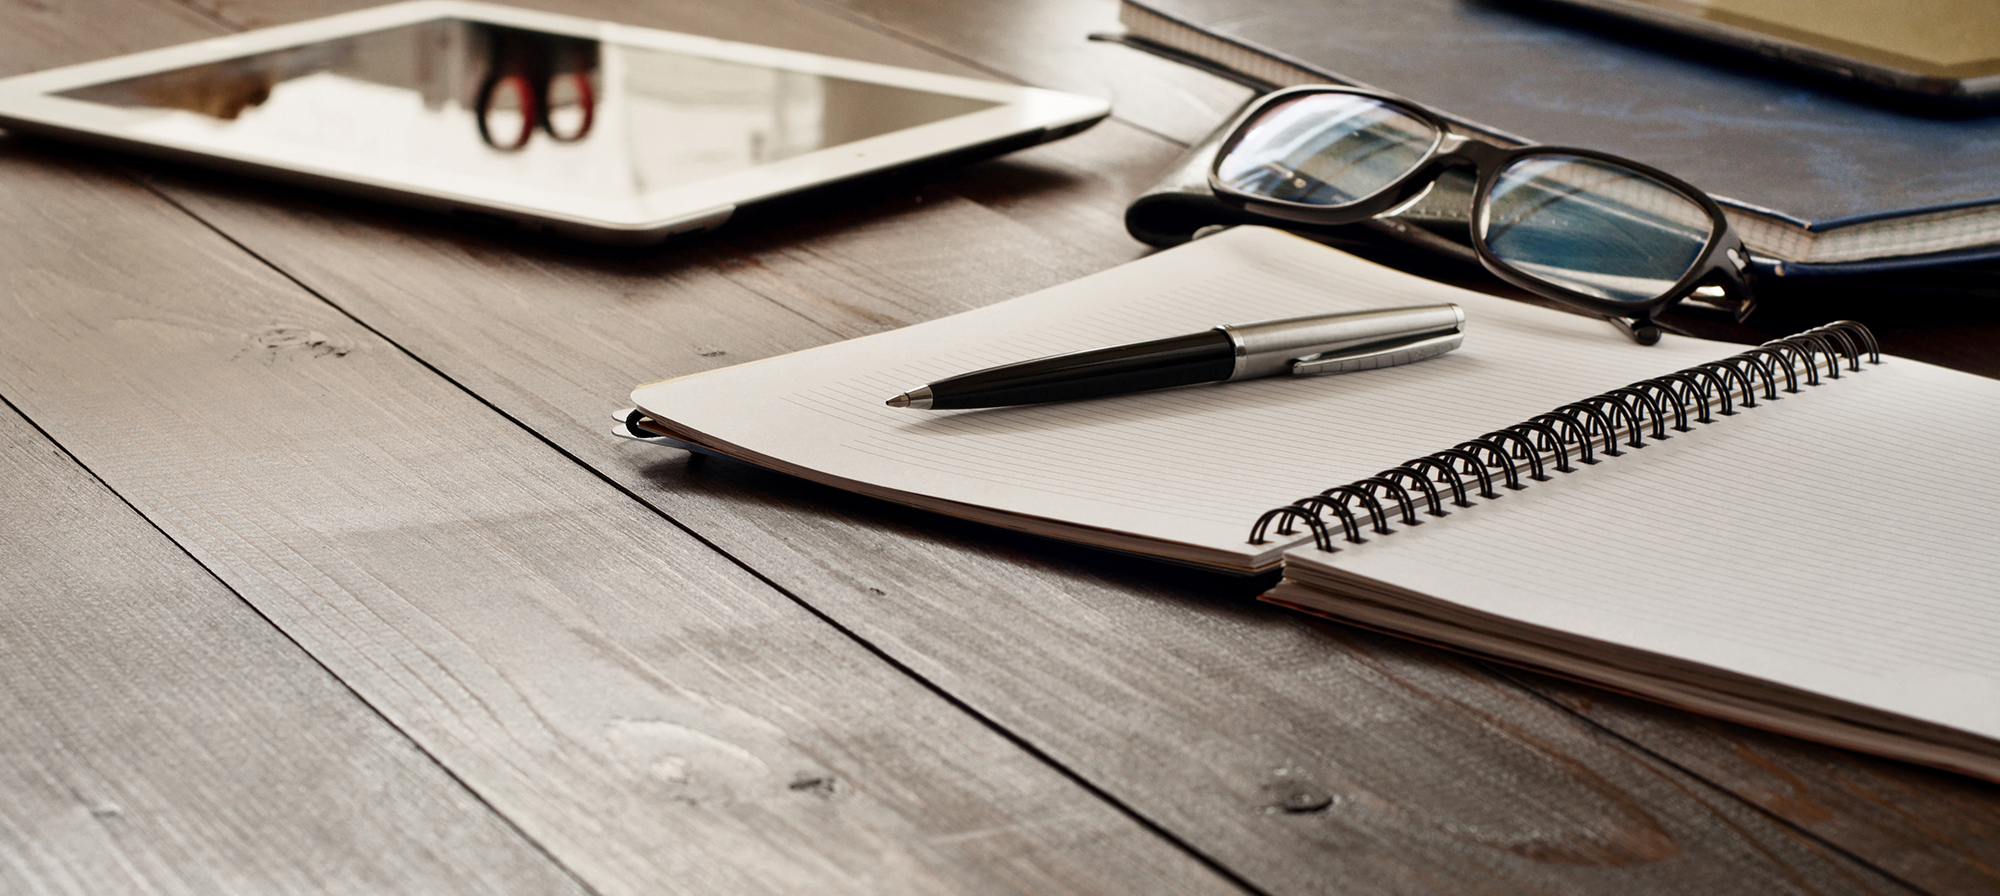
x=1816, y=182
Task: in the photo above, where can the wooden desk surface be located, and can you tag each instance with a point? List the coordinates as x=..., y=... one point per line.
x=321, y=573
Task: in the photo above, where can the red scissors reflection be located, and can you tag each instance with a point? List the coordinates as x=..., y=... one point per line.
x=536, y=82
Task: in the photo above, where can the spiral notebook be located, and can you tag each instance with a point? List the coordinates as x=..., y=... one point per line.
x=1818, y=561
x=1825, y=565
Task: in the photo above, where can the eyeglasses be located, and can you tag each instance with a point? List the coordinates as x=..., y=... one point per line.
x=1586, y=228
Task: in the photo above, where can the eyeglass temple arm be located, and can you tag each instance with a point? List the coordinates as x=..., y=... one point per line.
x=1727, y=289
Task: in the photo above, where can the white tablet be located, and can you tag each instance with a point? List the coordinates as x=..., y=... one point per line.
x=591, y=129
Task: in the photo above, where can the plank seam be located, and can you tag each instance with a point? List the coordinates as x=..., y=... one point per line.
x=899, y=34
x=1510, y=676
x=865, y=644
x=309, y=655
x=210, y=14
x=922, y=44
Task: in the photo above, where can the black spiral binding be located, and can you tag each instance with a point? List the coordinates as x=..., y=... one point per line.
x=1703, y=390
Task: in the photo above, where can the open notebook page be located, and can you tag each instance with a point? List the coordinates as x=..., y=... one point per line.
x=1844, y=541
x=1192, y=466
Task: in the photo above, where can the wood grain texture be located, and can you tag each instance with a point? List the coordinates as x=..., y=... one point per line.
x=1930, y=828
x=42, y=34
x=1044, y=44
x=647, y=710
x=1212, y=717
x=653, y=716
x=161, y=737
x=1409, y=771
x=1938, y=831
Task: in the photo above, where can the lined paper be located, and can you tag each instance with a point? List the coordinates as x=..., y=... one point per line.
x=1843, y=541
x=1189, y=466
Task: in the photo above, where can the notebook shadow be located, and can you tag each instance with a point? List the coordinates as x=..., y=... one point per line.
x=845, y=522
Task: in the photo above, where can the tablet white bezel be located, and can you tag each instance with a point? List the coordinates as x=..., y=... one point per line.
x=28, y=102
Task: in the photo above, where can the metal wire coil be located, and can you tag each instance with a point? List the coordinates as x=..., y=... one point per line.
x=1703, y=390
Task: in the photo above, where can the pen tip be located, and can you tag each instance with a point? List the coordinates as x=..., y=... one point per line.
x=919, y=398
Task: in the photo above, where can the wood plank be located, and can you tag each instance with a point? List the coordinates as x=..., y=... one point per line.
x=654, y=716
x=1944, y=318
x=1940, y=832
x=161, y=737
x=1929, y=828
x=1045, y=44
x=46, y=33
x=847, y=249
x=1415, y=771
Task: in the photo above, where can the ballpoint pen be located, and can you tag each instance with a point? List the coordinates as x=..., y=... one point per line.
x=1299, y=346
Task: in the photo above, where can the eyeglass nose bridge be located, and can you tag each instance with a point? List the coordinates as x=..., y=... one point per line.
x=1472, y=152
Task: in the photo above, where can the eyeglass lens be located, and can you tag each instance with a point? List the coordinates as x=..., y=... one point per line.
x=1325, y=149
x=1594, y=227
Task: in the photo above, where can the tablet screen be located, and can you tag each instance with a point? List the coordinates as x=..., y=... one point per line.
x=566, y=114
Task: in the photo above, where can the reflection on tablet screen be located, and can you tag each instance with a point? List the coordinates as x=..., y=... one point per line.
x=561, y=113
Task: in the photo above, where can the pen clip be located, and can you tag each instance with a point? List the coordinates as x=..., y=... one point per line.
x=1377, y=355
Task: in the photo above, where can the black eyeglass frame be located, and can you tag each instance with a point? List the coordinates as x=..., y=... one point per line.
x=1723, y=261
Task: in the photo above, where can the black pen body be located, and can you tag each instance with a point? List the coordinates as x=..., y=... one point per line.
x=1204, y=357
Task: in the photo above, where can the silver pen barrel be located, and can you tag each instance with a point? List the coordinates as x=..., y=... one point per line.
x=1268, y=348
